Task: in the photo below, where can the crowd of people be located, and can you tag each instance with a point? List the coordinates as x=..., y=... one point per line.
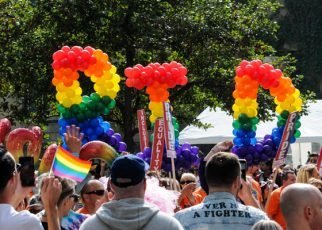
x=130, y=196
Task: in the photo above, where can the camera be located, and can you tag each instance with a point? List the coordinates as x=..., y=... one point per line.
x=243, y=168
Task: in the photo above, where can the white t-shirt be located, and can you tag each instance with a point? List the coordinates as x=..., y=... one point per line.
x=10, y=219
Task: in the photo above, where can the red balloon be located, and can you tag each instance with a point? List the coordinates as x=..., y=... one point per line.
x=128, y=72
x=89, y=49
x=77, y=49
x=58, y=55
x=65, y=49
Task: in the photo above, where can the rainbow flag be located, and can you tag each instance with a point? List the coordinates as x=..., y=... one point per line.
x=67, y=165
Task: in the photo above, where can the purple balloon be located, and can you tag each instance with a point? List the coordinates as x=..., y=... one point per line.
x=113, y=140
x=118, y=137
x=147, y=152
x=186, y=146
x=264, y=157
x=195, y=150
x=193, y=158
x=234, y=149
x=259, y=147
x=267, y=149
x=186, y=154
x=269, y=142
x=178, y=150
x=267, y=137
x=140, y=154
x=249, y=158
x=110, y=132
x=122, y=146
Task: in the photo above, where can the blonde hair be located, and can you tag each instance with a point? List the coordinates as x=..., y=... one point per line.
x=315, y=182
x=188, y=176
x=305, y=173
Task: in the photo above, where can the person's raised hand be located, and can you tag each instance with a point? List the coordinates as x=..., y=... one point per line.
x=73, y=138
x=50, y=192
x=224, y=146
x=246, y=195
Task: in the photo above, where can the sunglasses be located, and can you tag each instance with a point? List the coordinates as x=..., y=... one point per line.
x=97, y=192
x=187, y=182
x=75, y=197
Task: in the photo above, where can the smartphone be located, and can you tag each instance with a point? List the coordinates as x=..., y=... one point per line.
x=27, y=171
x=243, y=168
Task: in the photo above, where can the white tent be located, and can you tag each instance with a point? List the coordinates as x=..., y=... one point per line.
x=221, y=128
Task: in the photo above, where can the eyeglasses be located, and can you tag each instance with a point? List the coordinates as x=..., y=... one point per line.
x=187, y=182
x=75, y=197
x=96, y=192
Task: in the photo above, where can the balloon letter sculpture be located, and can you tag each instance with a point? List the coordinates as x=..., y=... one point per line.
x=158, y=79
x=249, y=76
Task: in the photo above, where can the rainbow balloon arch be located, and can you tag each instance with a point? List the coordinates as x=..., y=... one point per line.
x=249, y=76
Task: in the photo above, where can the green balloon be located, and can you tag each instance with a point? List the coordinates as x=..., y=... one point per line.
x=74, y=108
x=60, y=108
x=246, y=126
x=280, y=123
x=236, y=124
x=82, y=106
x=151, y=137
x=106, y=111
x=254, y=120
x=106, y=100
x=67, y=114
x=95, y=97
x=174, y=120
x=285, y=114
x=86, y=99
x=243, y=118
x=112, y=104
x=297, y=133
x=297, y=124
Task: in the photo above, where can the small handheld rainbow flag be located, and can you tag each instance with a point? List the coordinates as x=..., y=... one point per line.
x=67, y=165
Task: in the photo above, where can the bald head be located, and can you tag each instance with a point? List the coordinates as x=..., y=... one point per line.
x=302, y=203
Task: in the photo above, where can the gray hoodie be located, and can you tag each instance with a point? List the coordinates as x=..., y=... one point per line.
x=130, y=214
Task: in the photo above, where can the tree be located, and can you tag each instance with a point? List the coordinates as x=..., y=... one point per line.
x=301, y=34
x=209, y=37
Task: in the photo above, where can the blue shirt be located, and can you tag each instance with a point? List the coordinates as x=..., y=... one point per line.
x=220, y=210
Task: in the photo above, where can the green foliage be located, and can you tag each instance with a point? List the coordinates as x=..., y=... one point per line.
x=301, y=34
x=209, y=37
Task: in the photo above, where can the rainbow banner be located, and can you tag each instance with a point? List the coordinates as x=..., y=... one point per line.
x=67, y=165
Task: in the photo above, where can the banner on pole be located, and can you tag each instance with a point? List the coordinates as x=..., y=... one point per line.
x=158, y=145
x=169, y=136
x=285, y=141
x=318, y=164
x=143, y=132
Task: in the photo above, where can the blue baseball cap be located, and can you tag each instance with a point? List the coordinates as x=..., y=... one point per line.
x=128, y=170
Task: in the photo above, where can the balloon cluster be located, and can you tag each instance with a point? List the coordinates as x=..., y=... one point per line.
x=94, y=129
x=90, y=107
x=157, y=79
x=249, y=76
x=84, y=111
x=187, y=157
x=95, y=65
